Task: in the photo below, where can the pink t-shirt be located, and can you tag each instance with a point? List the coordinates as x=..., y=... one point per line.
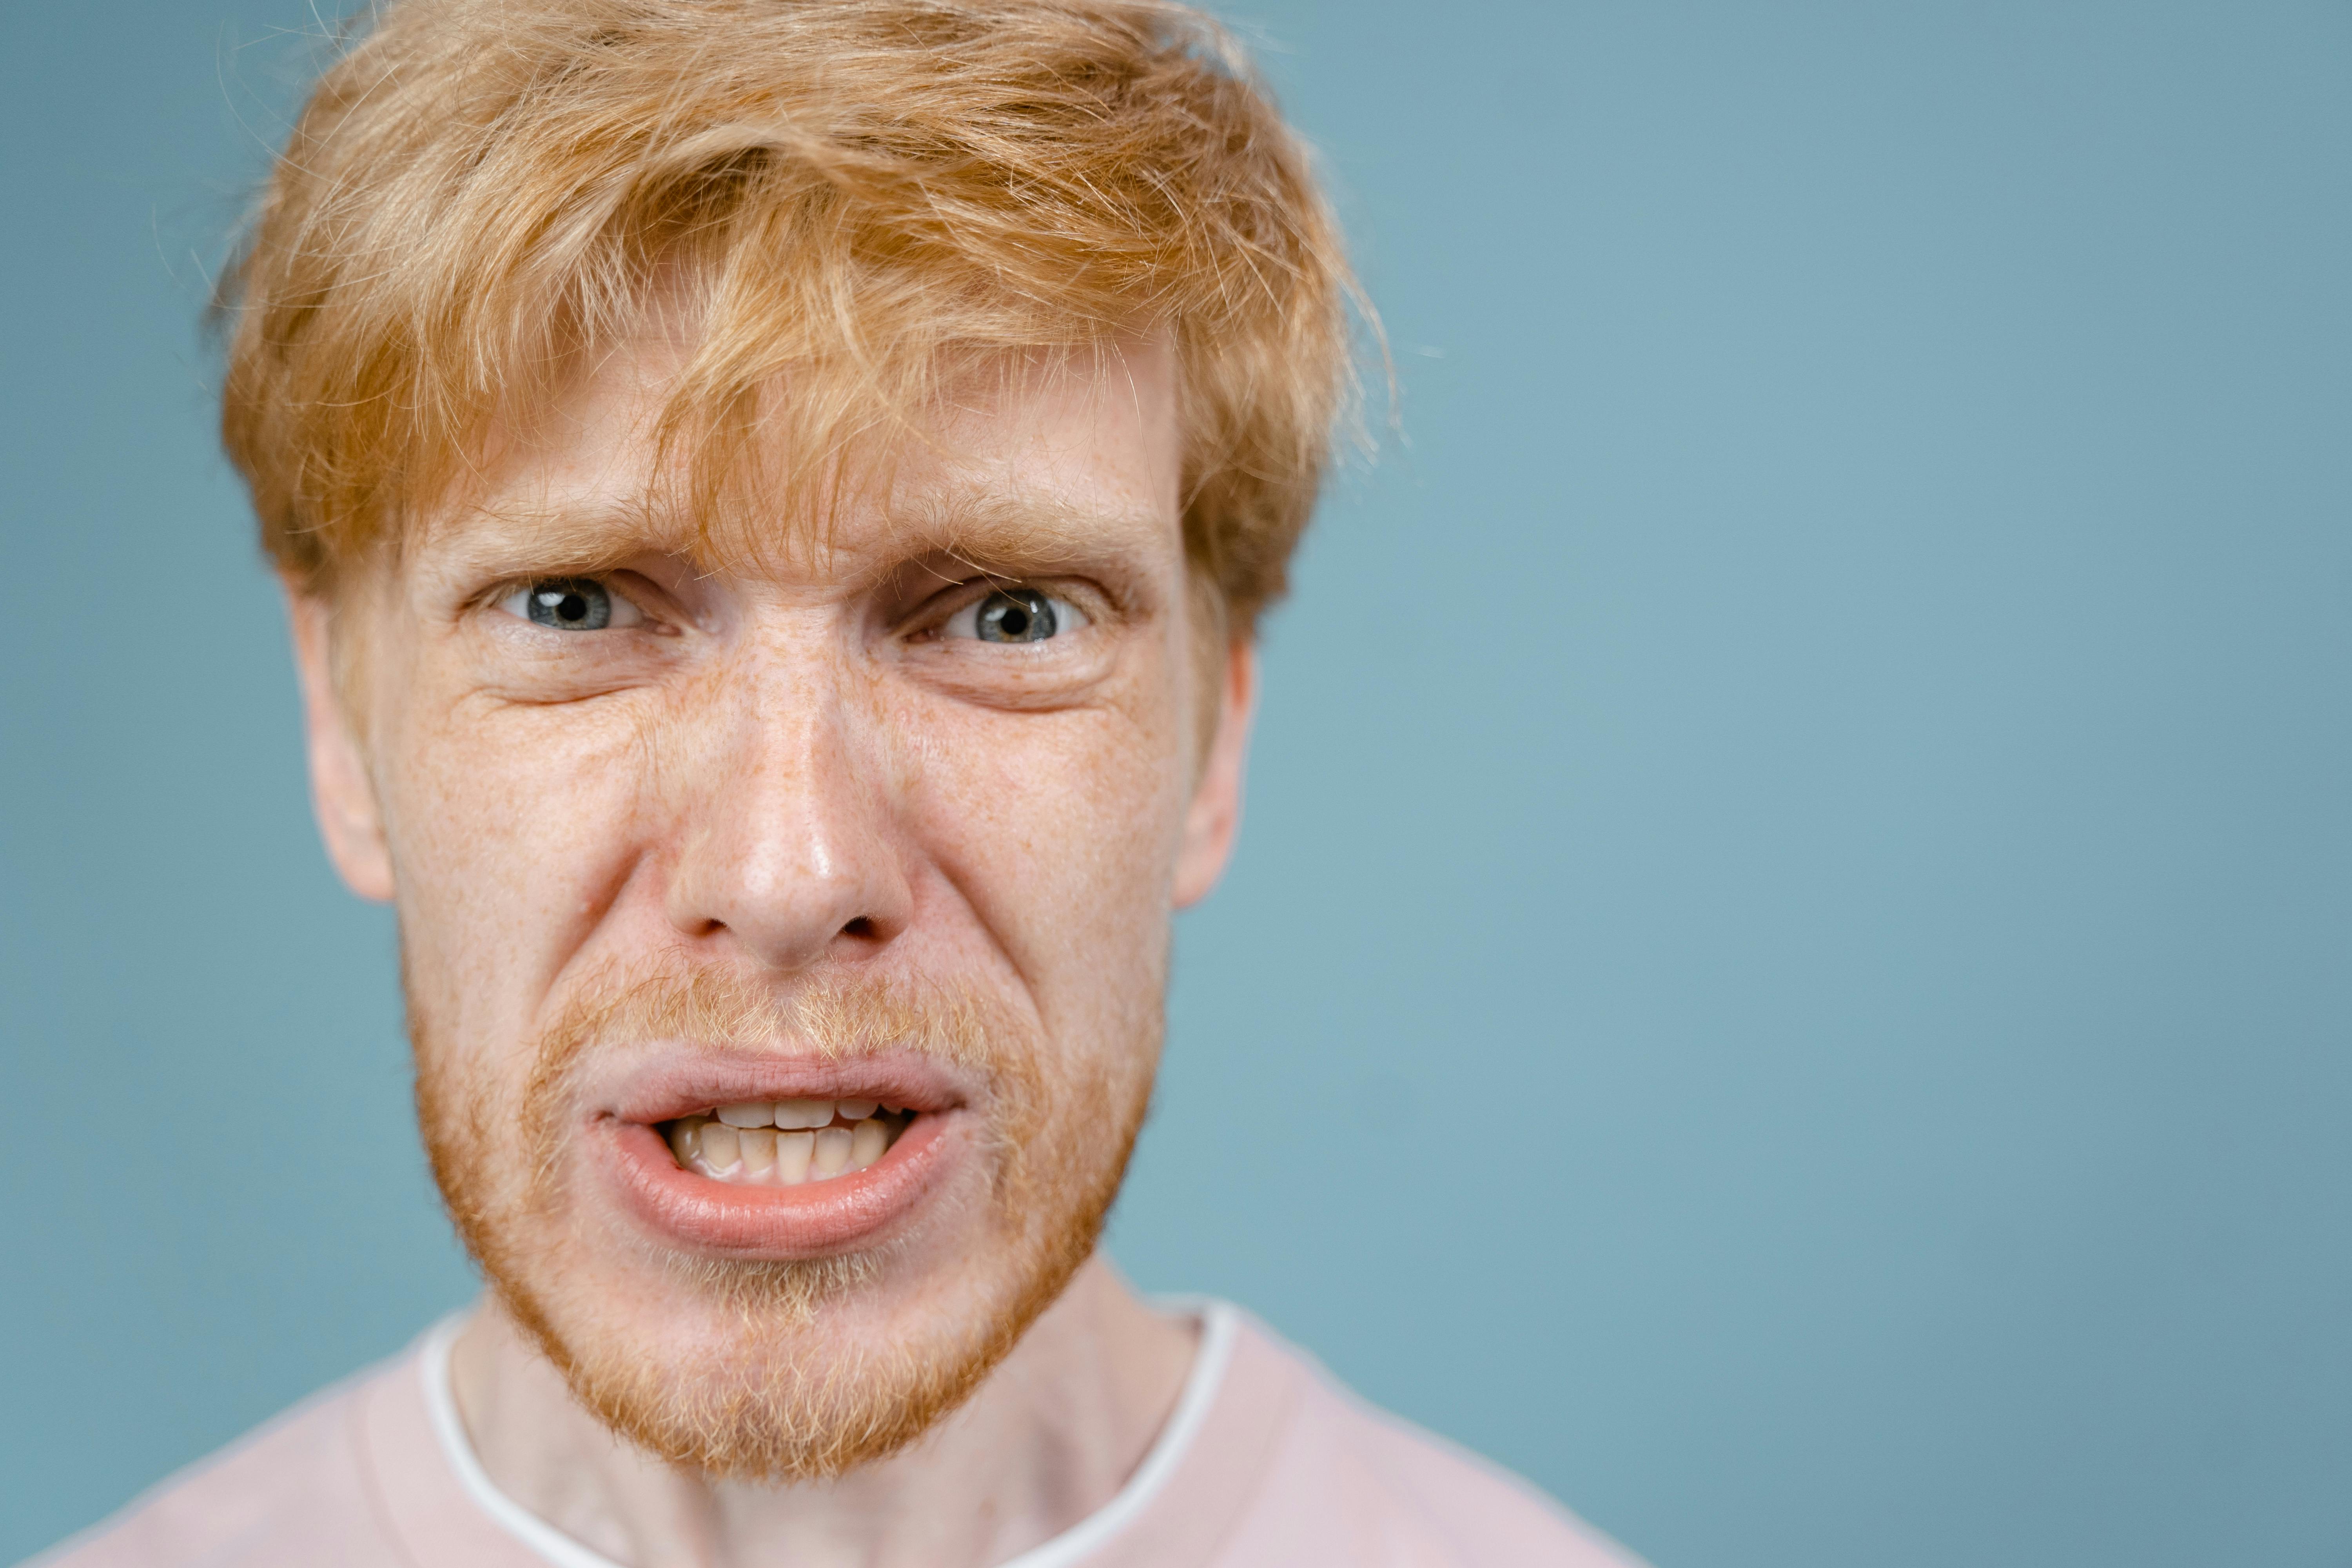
x=1265, y=1461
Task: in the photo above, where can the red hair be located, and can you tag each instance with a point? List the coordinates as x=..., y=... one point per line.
x=860, y=197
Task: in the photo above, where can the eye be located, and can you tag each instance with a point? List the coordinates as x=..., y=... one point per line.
x=1016, y=615
x=570, y=604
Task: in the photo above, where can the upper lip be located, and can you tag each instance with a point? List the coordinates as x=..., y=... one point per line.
x=675, y=1084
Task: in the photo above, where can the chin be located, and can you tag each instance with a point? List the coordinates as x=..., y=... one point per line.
x=753, y=1315
x=784, y=1368
x=769, y=1370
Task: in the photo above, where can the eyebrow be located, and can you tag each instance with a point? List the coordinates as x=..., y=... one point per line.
x=1025, y=531
x=1010, y=532
x=583, y=538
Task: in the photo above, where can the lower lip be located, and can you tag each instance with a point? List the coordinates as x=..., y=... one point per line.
x=814, y=1219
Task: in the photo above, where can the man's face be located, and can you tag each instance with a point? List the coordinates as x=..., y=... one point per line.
x=881, y=822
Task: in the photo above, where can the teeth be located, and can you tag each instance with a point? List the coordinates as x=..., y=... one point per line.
x=744, y=1115
x=734, y=1149
x=793, y=1151
x=857, y=1109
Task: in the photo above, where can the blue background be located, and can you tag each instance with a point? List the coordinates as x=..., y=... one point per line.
x=1788, y=972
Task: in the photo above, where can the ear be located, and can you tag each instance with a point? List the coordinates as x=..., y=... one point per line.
x=1214, y=818
x=341, y=796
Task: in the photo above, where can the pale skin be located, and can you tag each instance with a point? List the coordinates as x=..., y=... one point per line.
x=795, y=765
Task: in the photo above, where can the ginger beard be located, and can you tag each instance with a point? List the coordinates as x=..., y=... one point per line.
x=804, y=1369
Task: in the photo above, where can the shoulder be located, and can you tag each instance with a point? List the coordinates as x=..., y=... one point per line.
x=1480, y=1511
x=1344, y=1474
x=296, y=1491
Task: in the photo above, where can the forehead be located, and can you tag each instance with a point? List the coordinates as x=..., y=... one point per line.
x=1036, y=455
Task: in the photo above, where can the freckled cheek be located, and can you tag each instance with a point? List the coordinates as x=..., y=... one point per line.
x=505, y=829
x=1064, y=827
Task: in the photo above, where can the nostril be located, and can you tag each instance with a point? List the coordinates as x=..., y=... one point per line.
x=862, y=929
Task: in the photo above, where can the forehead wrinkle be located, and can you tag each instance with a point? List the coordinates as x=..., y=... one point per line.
x=1008, y=529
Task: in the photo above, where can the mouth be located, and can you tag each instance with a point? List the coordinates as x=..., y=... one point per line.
x=785, y=1143
x=757, y=1158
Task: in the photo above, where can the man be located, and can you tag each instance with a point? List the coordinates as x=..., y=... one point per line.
x=775, y=498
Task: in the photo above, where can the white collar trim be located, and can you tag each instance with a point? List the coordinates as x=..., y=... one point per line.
x=1219, y=1327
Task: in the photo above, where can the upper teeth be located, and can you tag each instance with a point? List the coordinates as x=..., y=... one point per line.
x=793, y=1114
x=744, y=1143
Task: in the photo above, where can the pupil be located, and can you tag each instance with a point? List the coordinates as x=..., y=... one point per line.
x=1016, y=614
x=573, y=605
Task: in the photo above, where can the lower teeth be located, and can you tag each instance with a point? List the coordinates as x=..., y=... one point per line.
x=767, y=1156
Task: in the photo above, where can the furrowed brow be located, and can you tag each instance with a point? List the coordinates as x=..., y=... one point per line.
x=1021, y=535
x=1010, y=535
x=577, y=538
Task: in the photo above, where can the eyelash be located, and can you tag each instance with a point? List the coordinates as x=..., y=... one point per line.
x=1077, y=610
x=1073, y=608
x=621, y=610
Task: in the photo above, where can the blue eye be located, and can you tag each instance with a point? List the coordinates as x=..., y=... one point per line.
x=1014, y=615
x=568, y=603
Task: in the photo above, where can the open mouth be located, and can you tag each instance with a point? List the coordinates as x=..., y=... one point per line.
x=826, y=1157
x=785, y=1143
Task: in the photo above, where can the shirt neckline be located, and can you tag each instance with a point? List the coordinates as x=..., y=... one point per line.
x=1220, y=1325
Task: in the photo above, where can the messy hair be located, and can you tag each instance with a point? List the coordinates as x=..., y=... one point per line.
x=860, y=199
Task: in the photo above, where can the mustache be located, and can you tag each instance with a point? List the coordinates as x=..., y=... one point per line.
x=839, y=1016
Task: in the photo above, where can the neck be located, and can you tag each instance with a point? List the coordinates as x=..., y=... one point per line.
x=1048, y=1439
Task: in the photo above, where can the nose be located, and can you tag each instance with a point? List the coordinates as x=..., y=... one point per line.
x=784, y=839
